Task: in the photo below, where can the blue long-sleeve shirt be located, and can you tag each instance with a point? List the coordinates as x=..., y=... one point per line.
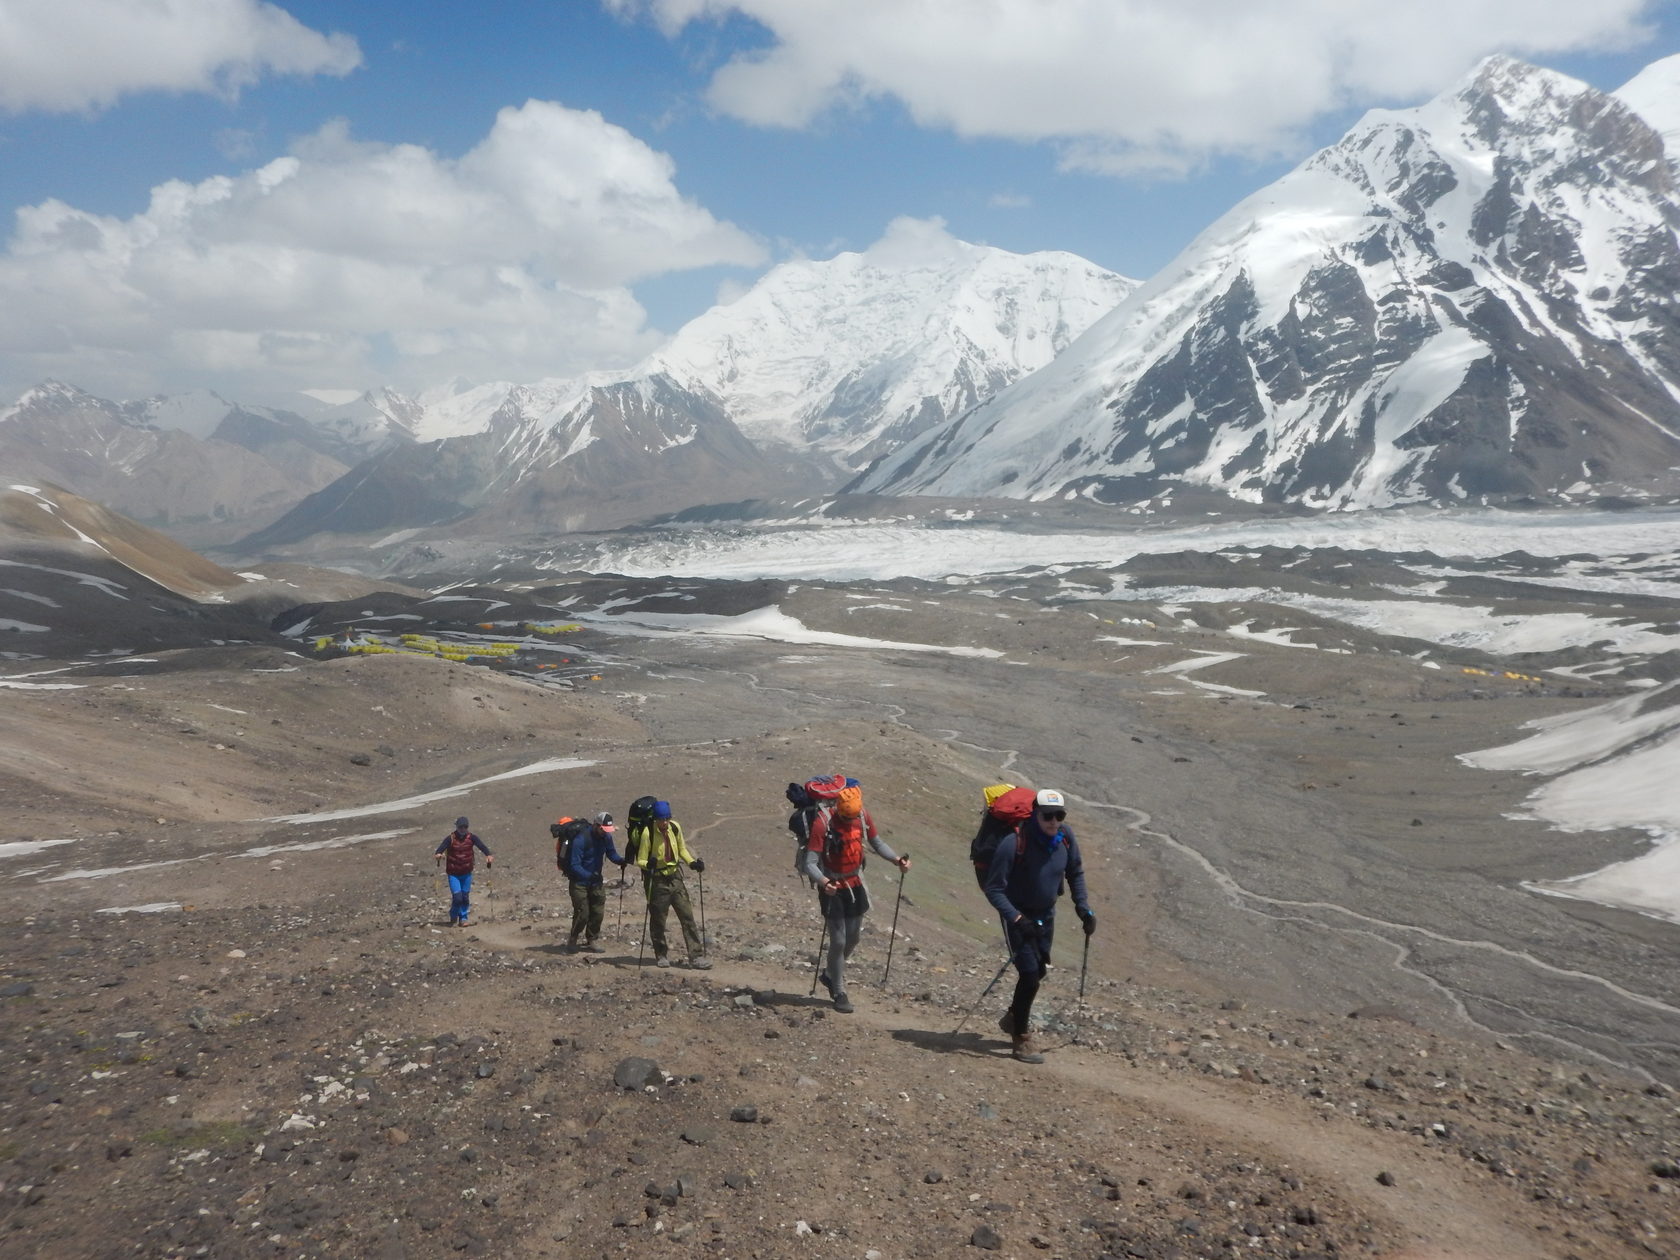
x=588, y=851
x=1030, y=884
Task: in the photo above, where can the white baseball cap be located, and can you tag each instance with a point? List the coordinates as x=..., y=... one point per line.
x=1049, y=798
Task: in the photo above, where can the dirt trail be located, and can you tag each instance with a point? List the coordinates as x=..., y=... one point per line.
x=1429, y=1203
x=301, y=1052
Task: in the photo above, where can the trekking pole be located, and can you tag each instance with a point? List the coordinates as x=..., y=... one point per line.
x=619, y=931
x=983, y=993
x=705, y=940
x=822, y=943
x=647, y=909
x=1084, y=962
x=892, y=937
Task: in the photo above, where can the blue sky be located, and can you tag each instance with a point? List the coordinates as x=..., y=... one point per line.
x=256, y=197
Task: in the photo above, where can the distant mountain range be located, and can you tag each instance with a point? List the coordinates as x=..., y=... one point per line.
x=1477, y=300
x=203, y=468
x=787, y=391
x=1473, y=301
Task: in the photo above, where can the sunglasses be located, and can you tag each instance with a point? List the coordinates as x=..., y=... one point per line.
x=1052, y=815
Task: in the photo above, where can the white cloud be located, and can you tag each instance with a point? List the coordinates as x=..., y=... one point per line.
x=349, y=263
x=1125, y=85
x=66, y=55
x=730, y=291
x=909, y=242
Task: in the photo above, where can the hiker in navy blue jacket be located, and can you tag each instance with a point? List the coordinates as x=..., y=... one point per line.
x=1023, y=883
x=583, y=866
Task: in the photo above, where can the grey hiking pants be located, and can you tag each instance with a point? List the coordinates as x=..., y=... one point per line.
x=843, y=912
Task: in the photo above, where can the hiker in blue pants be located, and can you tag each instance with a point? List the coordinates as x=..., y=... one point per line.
x=457, y=856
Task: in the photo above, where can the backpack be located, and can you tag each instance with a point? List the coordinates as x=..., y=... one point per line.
x=843, y=843
x=807, y=799
x=1004, y=812
x=639, y=821
x=565, y=832
x=799, y=822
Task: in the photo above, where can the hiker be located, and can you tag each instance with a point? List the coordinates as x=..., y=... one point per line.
x=834, y=863
x=658, y=848
x=807, y=798
x=580, y=850
x=1024, y=881
x=459, y=845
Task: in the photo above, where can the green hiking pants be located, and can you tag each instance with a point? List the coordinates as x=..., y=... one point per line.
x=589, y=905
x=668, y=892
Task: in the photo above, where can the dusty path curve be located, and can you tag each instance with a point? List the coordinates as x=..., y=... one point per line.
x=1441, y=1212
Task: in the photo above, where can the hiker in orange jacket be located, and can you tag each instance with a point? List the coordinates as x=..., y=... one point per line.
x=834, y=862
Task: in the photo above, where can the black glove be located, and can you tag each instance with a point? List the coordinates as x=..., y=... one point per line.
x=697, y=865
x=1029, y=929
x=1089, y=920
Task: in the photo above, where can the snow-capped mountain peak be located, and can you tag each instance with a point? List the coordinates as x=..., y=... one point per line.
x=837, y=359
x=862, y=351
x=1475, y=298
x=1654, y=94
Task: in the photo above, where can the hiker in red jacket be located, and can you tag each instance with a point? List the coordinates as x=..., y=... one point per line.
x=456, y=856
x=834, y=862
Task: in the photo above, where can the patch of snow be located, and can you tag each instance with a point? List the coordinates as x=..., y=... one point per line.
x=151, y=907
x=426, y=798
x=1611, y=767
x=1202, y=660
x=768, y=623
x=13, y=847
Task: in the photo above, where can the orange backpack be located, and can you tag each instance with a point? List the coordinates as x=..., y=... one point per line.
x=843, y=840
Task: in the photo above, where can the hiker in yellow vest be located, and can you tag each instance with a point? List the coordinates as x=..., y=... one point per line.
x=661, y=852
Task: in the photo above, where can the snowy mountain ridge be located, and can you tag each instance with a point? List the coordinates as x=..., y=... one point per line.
x=859, y=353
x=1474, y=299
x=846, y=356
x=1654, y=94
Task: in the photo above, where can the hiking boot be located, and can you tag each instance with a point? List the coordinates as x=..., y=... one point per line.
x=593, y=948
x=1006, y=1022
x=662, y=961
x=1024, y=1051
x=700, y=963
x=571, y=944
x=842, y=1003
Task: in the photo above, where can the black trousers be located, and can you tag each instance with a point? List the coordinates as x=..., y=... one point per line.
x=1032, y=959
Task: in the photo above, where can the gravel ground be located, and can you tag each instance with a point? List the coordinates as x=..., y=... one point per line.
x=1321, y=1017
